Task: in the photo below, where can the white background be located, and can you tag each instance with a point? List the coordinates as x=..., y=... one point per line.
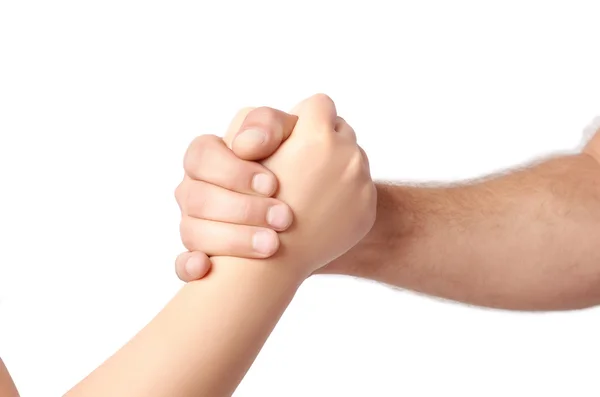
x=98, y=101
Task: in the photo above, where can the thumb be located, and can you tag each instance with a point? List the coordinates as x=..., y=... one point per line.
x=262, y=132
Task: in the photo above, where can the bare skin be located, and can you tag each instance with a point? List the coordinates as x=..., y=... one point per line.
x=238, y=304
x=525, y=239
x=7, y=386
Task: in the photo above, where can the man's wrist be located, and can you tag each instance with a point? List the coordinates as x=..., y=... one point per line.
x=395, y=223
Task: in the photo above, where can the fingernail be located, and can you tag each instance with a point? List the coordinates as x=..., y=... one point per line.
x=251, y=137
x=263, y=184
x=193, y=267
x=279, y=216
x=264, y=242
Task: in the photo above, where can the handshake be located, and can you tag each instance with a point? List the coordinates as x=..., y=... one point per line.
x=295, y=187
x=279, y=197
x=283, y=195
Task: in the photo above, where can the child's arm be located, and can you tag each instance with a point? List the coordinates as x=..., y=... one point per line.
x=205, y=339
x=7, y=386
x=203, y=342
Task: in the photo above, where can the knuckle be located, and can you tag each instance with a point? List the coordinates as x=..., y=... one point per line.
x=246, y=210
x=321, y=98
x=345, y=129
x=177, y=192
x=355, y=163
x=187, y=237
x=179, y=195
x=323, y=109
x=197, y=150
x=197, y=200
x=363, y=156
x=340, y=123
x=263, y=114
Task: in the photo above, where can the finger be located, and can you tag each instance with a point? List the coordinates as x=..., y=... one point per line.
x=208, y=159
x=219, y=238
x=235, y=124
x=211, y=202
x=365, y=160
x=316, y=114
x=344, y=129
x=263, y=130
x=191, y=266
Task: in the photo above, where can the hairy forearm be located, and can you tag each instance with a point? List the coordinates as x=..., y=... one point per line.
x=205, y=339
x=524, y=240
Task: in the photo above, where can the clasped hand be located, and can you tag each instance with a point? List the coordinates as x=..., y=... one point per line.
x=296, y=186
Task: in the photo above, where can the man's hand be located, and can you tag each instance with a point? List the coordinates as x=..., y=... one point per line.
x=324, y=177
x=230, y=195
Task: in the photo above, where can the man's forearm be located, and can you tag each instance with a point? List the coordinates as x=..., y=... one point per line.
x=205, y=339
x=525, y=240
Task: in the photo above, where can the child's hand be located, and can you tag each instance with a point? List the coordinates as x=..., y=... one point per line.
x=324, y=177
x=225, y=200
